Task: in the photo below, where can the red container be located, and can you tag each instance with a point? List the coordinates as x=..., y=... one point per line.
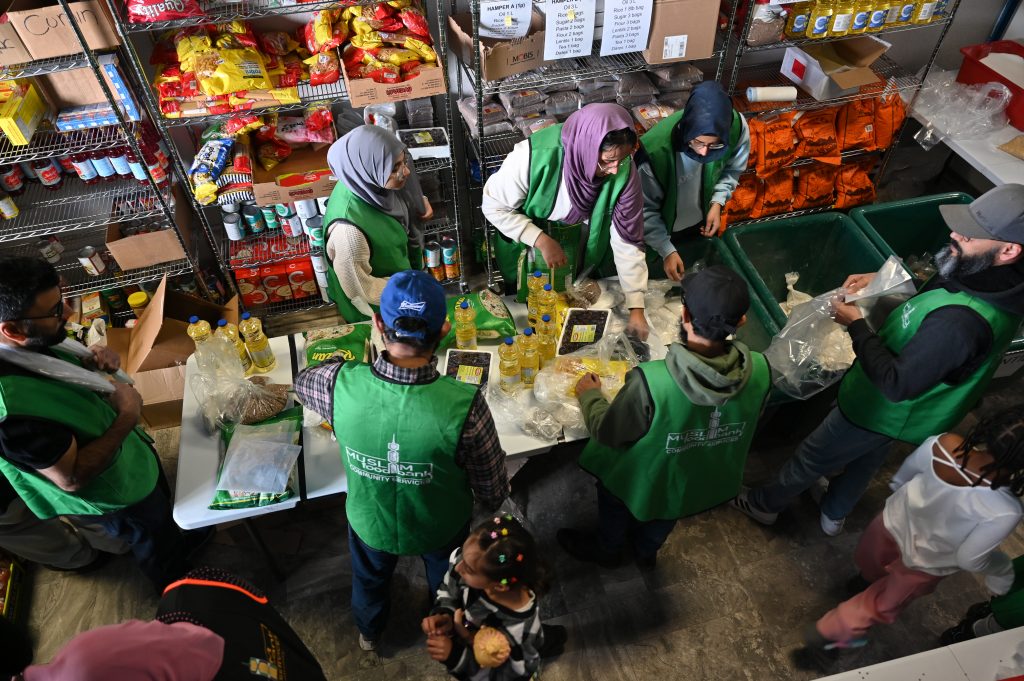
x=972, y=72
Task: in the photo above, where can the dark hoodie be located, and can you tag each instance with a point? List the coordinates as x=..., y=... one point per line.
x=708, y=112
x=951, y=341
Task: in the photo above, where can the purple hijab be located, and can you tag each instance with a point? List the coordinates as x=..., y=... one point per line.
x=581, y=139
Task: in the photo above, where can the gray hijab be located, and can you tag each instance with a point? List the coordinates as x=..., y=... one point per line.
x=362, y=160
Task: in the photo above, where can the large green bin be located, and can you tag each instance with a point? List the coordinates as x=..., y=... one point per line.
x=913, y=227
x=823, y=248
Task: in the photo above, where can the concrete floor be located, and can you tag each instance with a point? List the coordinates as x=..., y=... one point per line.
x=727, y=599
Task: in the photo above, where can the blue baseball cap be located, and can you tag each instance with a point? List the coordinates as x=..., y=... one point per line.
x=414, y=294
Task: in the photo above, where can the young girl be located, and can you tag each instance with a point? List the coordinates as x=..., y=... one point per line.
x=485, y=623
x=955, y=500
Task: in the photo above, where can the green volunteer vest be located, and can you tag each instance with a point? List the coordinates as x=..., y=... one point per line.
x=406, y=495
x=657, y=143
x=940, y=408
x=691, y=458
x=545, y=177
x=1009, y=608
x=131, y=476
x=388, y=240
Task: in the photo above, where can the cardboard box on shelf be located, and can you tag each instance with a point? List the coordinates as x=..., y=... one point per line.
x=155, y=350
x=366, y=91
x=834, y=69
x=20, y=115
x=500, y=58
x=302, y=278
x=93, y=307
x=250, y=285
x=275, y=282
x=681, y=30
x=44, y=29
x=143, y=250
x=303, y=175
x=12, y=50
x=79, y=93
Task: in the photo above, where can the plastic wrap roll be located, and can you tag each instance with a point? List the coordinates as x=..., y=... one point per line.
x=785, y=93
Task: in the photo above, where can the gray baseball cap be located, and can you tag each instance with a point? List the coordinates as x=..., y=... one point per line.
x=997, y=214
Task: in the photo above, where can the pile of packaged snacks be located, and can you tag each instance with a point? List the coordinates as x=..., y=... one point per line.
x=388, y=42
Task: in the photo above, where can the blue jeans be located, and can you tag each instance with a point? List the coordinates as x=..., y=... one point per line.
x=616, y=522
x=835, y=445
x=371, y=579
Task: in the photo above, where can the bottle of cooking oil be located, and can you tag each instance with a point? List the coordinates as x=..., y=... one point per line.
x=508, y=366
x=465, y=326
x=529, y=357
x=861, y=17
x=876, y=22
x=924, y=12
x=257, y=343
x=207, y=354
x=546, y=339
x=229, y=331
x=900, y=14
x=534, y=283
x=547, y=299
x=820, y=19
x=799, y=13
x=842, y=17
x=198, y=330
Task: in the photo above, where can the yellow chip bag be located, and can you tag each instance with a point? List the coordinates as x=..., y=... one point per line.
x=188, y=47
x=221, y=72
x=396, y=55
x=367, y=41
x=425, y=51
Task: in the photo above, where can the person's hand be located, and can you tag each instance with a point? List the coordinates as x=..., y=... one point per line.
x=674, y=266
x=588, y=381
x=855, y=282
x=845, y=313
x=103, y=358
x=428, y=210
x=126, y=400
x=437, y=625
x=713, y=222
x=552, y=251
x=439, y=648
x=637, y=324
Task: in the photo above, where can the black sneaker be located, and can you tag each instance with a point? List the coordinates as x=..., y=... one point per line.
x=583, y=546
x=963, y=631
x=855, y=585
x=555, y=636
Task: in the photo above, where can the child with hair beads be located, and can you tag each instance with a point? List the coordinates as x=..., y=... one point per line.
x=485, y=623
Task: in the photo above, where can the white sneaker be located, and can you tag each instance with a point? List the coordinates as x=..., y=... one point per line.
x=831, y=527
x=366, y=644
x=742, y=504
x=818, y=490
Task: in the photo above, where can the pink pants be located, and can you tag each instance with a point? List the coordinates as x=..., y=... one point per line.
x=893, y=587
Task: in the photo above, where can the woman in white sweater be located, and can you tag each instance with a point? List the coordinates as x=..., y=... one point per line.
x=955, y=500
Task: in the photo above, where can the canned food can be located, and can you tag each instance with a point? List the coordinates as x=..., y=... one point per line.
x=231, y=207
x=320, y=266
x=91, y=261
x=115, y=299
x=49, y=253
x=8, y=209
x=291, y=225
x=321, y=204
x=233, y=226
x=315, y=229
x=283, y=210
x=432, y=250
x=12, y=178
x=306, y=209
x=56, y=243
x=270, y=217
x=254, y=219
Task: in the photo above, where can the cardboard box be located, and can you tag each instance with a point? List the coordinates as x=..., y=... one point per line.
x=43, y=27
x=154, y=352
x=303, y=175
x=501, y=58
x=302, y=278
x=78, y=90
x=835, y=69
x=366, y=91
x=20, y=115
x=250, y=285
x=93, y=308
x=275, y=282
x=681, y=30
x=12, y=50
x=143, y=250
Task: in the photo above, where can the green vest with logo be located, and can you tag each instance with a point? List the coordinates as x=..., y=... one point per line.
x=691, y=458
x=406, y=495
x=657, y=143
x=941, y=407
x=388, y=240
x=546, y=154
x=131, y=475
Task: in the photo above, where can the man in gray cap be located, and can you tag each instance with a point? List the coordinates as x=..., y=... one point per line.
x=925, y=368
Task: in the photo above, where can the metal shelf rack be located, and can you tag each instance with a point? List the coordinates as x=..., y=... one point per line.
x=43, y=67
x=817, y=41
x=335, y=92
x=264, y=249
x=50, y=144
x=216, y=12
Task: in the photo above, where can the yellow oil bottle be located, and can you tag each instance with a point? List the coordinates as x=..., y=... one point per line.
x=508, y=366
x=257, y=343
x=230, y=331
x=820, y=19
x=842, y=18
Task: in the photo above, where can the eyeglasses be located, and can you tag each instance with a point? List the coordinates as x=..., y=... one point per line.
x=56, y=313
x=697, y=145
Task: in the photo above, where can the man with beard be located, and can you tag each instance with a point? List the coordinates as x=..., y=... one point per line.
x=925, y=368
x=674, y=441
x=66, y=450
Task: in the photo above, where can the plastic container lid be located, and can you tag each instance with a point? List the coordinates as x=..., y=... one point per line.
x=509, y=341
x=222, y=322
x=464, y=304
x=538, y=274
x=545, y=318
x=246, y=315
x=527, y=332
x=193, y=319
x=547, y=287
x=138, y=299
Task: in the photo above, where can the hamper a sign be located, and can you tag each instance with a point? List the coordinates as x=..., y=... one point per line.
x=505, y=19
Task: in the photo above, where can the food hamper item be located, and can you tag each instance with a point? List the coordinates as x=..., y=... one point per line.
x=582, y=327
x=469, y=366
x=816, y=132
x=350, y=342
x=493, y=320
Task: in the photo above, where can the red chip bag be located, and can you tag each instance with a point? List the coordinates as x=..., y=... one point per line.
x=146, y=11
x=414, y=20
x=324, y=68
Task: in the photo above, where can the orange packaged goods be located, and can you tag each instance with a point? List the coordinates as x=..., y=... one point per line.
x=855, y=125
x=250, y=285
x=854, y=186
x=776, y=143
x=323, y=68
x=816, y=133
x=814, y=186
x=275, y=282
x=890, y=112
x=746, y=195
x=776, y=194
x=302, y=278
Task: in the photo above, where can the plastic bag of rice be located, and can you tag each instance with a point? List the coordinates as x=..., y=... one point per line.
x=348, y=341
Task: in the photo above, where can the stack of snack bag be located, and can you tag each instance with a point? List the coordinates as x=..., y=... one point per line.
x=388, y=42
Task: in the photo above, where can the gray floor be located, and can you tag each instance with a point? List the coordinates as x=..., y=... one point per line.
x=727, y=599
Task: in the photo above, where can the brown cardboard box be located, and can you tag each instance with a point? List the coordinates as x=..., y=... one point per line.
x=500, y=58
x=681, y=30
x=303, y=175
x=71, y=88
x=366, y=91
x=43, y=27
x=12, y=50
x=154, y=352
x=836, y=69
x=143, y=250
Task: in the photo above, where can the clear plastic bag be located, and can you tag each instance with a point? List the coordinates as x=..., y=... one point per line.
x=58, y=369
x=262, y=466
x=957, y=110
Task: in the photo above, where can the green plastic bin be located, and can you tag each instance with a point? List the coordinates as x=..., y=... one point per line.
x=824, y=248
x=757, y=333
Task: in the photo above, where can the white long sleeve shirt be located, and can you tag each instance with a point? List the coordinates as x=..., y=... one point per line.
x=503, y=196
x=349, y=253
x=942, y=528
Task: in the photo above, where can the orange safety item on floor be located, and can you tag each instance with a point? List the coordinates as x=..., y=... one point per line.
x=854, y=186
x=816, y=133
x=890, y=112
x=744, y=198
x=776, y=194
x=855, y=125
x=777, y=144
x=814, y=186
